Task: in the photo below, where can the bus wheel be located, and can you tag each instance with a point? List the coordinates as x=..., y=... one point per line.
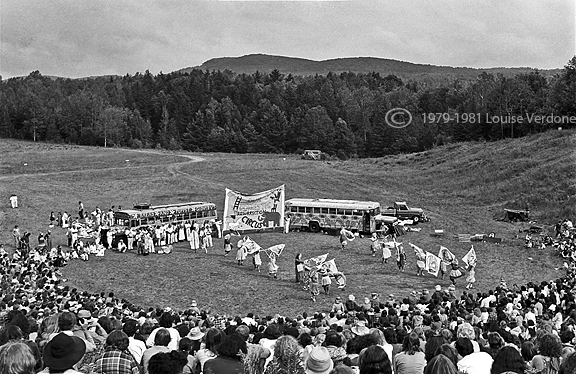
x=415, y=219
x=314, y=226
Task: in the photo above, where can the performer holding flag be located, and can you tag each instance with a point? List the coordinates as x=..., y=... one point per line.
x=345, y=236
x=420, y=259
x=400, y=255
x=470, y=259
x=446, y=258
x=272, y=267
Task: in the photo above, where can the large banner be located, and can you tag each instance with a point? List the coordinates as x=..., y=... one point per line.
x=248, y=213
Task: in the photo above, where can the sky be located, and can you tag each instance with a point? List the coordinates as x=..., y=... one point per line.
x=78, y=38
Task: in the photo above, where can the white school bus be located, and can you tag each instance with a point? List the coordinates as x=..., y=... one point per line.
x=321, y=214
x=144, y=215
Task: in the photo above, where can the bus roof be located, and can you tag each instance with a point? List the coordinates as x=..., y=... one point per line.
x=160, y=208
x=332, y=203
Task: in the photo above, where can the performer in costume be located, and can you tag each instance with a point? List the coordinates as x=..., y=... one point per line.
x=340, y=279
x=400, y=257
x=314, y=285
x=272, y=267
x=471, y=277
x=256, y=260
x=326, y=281
x=456, y=271
x=345, y=235
x=374, y=245
x=194, y=239
x=227, y=244
x=386, y=254
x=420, y=263
x=240, y=253
x=299, y=268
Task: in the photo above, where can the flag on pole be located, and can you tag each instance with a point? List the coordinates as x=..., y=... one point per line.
x=419, y=251
x=470, y=257
x=445, y=255
x=250, y=245
x=316, y=261
x=330, y=266
x=276, y=249
x=432, y=264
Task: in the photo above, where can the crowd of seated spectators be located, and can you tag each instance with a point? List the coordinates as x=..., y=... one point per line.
x=48, y=327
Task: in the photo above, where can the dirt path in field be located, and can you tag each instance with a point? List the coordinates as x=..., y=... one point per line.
x=173, y=168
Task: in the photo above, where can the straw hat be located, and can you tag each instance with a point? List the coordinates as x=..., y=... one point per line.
x=319, y=361
x=63, y=351
x=360, y=329
x=195, y=333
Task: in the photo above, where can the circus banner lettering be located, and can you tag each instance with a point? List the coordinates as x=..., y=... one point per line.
x=249, y=213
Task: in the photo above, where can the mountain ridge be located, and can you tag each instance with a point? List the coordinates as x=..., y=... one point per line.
x=264, y=63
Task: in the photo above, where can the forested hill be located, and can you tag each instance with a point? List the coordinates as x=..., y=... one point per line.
x=262, y=63
x=345, y=115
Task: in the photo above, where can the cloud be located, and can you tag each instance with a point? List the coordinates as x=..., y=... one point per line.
x=80, y=38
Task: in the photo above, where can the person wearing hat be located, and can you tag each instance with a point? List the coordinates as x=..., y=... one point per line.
x=319, y=361
x=360, y=328
x=62, y=353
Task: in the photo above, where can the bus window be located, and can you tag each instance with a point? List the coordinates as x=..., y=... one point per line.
x=324, y=210
x=332, y=211
x=348, y=212
x=301, y=209
x=308, y=209
x=316, y=210
x=357, y=212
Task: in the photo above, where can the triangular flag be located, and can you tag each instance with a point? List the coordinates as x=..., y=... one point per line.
x=432, y=264
x=315, y=261
x=276, y=249
x=419, y=251
x=470, y=257
x=250, y=245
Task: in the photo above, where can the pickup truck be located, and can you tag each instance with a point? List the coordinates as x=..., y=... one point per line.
x=402, y=211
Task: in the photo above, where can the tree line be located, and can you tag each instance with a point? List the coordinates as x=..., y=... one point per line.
x=218, y=111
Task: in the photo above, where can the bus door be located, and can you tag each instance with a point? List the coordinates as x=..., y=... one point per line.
x=368, y=223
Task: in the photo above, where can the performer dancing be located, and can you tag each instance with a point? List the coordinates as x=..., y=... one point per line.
x=314, y=285
x=326, y=281
x=345, y=235
x=272, y=267
x=456, y=271
x=374, y=245
x=227, y=244
x=240, y=253
x=400, y=256
x=386, y=254
x=299, y=268
x=420, y=263
x=471, y=278
x=256, y=260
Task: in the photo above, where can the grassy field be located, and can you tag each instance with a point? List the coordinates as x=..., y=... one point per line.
x=461, y=187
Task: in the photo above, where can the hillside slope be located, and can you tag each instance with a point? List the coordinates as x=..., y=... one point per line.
x=538, y=170
x=298, y=66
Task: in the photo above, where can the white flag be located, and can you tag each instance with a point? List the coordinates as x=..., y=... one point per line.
x=432, y=264
x=470, y=257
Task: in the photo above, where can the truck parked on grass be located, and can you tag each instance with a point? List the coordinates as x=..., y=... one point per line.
x=402, y=211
